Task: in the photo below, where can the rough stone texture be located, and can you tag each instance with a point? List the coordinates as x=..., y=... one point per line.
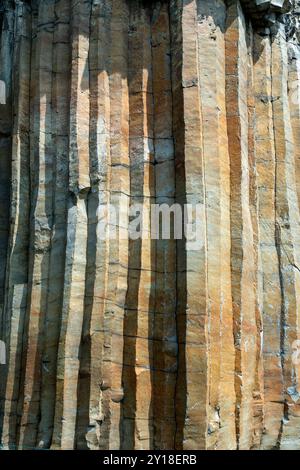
x=149, y=344
x=266, y=11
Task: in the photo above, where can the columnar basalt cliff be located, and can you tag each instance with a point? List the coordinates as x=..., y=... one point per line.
x=121, y=343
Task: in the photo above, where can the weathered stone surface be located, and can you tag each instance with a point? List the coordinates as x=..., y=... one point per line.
x=266, y=12
x=121, y=343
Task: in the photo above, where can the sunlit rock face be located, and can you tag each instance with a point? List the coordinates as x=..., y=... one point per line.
x=113, y=342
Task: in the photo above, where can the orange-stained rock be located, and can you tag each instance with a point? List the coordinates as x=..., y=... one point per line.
x=116, y=342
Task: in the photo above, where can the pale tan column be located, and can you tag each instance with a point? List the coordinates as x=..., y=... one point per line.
x=41, y=221
x=64, y=433
x=211, y=57
x=287, y=240
x=112, y=392
x=192, y=302
x=243, y=269
x=17, y=256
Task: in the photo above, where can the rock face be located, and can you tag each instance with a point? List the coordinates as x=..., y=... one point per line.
x=121, y=343
x=266, y=11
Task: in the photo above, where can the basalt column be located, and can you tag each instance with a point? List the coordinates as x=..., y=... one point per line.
x=117, y=334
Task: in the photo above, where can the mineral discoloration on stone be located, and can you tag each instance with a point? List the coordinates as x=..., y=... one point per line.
x=149, y=344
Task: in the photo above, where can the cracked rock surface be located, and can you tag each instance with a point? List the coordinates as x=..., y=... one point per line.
x=265, y=12
x=114, y=342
